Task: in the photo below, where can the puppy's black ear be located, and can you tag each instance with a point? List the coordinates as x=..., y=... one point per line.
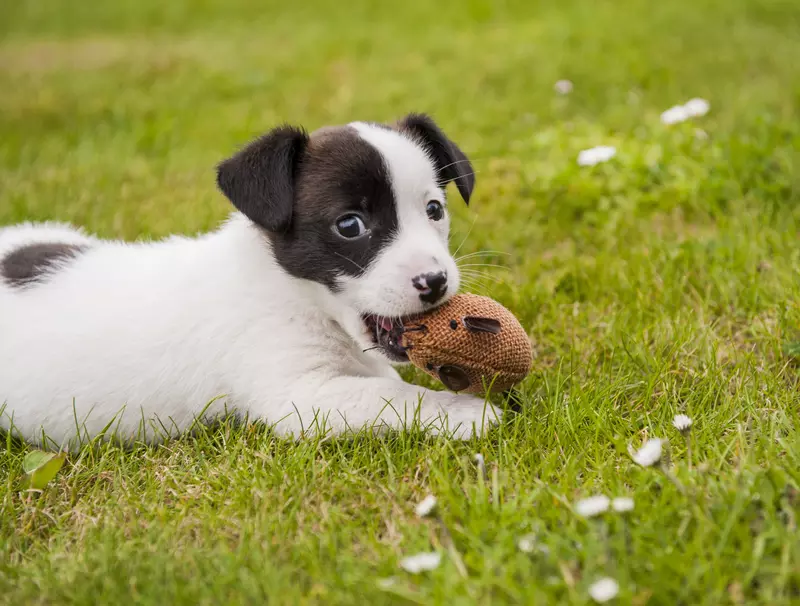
x=259, y=180
x=451, y=162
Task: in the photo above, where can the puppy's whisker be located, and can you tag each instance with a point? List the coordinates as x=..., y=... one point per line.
x=454, y=162
x=469, y=174
x=476, y=287
x=465, y=237
x=482, y=252
x=471, y=159
x=480, y=273
x=476, y=272
x=472, y=280
x=481, y=277
x=487, y=263
x=495, y=265
x=361, y=267
x=482, y=281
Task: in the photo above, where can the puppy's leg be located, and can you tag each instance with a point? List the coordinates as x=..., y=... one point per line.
x=349, y=404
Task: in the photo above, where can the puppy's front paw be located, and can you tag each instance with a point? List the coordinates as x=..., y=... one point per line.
x=459, y=416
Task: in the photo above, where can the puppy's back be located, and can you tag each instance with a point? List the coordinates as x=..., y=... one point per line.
x=90, y=328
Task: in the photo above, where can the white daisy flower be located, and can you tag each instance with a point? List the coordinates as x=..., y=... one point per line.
x=682, y=423
x=675, y=114
x=697, y=107
x=596, y=155
x=693, y=108
x=527, y=543
x=649, y=454
x=622, y=504
x=603, y=590
x=563, y=87
x=426, y=506
x=592, y=506
x=421, y=562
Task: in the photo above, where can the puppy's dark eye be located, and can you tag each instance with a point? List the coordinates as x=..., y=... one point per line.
x=350, y=226
x=435, y=210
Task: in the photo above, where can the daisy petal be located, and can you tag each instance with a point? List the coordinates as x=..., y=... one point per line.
x=682, y=423
x=426, y=506
x=596, y=155
x=421, y=562
x=649, y=454
x=622, y=504
x=676, y=114
x=697, y=107
x=563, y=87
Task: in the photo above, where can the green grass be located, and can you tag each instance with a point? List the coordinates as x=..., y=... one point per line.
x=663, y=282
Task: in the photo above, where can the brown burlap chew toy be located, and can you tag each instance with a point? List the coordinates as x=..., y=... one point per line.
x=470, y=343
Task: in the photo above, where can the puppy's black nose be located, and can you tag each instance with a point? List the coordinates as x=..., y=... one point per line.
x=431, y=286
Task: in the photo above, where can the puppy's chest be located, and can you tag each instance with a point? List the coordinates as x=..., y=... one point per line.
x=337, y=350
x=311, y=337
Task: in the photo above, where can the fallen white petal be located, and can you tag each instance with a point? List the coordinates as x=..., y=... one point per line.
x=682, y=422
x=604, y=589
x=622, y=504
x=595, y=155
x=426, y=506
x=649, y=454
x=387, y=582
x=676, y=114
x=697, y=107
x=592, y=506
x=421, y=562
x=481, y=464
x=563, y=87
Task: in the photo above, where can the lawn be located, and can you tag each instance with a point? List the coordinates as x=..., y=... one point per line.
x=665, y=281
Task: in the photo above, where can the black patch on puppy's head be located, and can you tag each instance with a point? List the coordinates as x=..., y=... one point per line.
x=295, y=187
x=32, y=263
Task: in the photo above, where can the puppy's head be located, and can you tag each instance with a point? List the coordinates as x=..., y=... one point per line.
x=360, y=209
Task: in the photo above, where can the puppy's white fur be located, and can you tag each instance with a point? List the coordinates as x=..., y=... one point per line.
x=138, y=338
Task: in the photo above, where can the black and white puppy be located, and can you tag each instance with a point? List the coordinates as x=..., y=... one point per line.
x=284, y=314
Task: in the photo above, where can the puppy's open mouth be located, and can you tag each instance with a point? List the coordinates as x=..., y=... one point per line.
x=386, y=334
